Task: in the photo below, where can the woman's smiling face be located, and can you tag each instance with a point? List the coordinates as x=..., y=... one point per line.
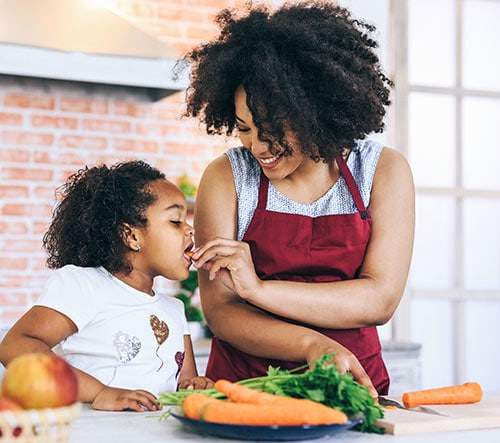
x=275, y=164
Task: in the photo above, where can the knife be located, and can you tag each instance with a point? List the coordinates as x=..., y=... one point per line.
x=384, y=401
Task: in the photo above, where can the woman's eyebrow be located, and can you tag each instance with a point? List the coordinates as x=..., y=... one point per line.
x=239, y=119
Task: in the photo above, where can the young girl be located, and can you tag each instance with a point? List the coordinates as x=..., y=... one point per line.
x=114, y=230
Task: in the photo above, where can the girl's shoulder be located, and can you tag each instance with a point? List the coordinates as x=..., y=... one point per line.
x=77, y=274
x=76, y=292
x=73, y=281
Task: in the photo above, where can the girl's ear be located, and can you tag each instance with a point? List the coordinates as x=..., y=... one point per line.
x=128, y=236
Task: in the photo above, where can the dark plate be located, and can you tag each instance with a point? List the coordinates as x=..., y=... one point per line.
x=268, y=433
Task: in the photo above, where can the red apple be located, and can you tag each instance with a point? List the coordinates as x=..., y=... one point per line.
x=38, y=380
x=6, y=404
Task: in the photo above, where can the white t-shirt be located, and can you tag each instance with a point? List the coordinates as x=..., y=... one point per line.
x=126, y=338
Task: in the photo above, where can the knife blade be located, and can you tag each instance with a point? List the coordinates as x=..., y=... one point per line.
x=384, y=401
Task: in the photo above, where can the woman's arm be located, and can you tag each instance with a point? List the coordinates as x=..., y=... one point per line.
x=368, y=300
x=372, y=298
x=42, y=328
x=229, y=316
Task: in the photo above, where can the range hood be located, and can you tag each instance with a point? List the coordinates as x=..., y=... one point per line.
x=76, y=40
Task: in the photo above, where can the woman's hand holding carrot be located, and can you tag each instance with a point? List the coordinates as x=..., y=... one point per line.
x=231, y=262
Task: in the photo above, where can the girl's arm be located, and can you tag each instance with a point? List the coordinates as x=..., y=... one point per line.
x=42, y=328
x=188, y=377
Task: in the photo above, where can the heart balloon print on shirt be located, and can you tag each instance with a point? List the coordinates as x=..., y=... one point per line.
x=126, y=347
x=179, y=359
x=161, y=331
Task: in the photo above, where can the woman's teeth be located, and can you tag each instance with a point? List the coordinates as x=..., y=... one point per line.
x=268, y=161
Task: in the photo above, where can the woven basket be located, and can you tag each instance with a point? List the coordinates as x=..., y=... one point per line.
x=38, y=425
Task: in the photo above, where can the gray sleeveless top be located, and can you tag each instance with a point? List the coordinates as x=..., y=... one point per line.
x=362, y=162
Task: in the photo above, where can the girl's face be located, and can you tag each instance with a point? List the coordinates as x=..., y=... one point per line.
x=167, y=237
x=275, y=166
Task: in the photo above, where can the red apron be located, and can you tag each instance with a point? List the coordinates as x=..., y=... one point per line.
x=300, y=248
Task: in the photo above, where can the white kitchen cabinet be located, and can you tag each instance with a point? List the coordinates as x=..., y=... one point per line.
x=403, y=363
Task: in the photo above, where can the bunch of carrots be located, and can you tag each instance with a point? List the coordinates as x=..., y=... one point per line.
x=320, y=383
x=246, y=406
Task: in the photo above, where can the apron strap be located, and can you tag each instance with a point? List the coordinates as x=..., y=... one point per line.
x=353, y=187
x=263, y=188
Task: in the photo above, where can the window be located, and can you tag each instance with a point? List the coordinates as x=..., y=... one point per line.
x=446, y=116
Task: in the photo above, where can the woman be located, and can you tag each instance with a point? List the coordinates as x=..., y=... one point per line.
x=306, y=231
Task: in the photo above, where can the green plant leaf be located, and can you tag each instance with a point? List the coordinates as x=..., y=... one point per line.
x=190, y=283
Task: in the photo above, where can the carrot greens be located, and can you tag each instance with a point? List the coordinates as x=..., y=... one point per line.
x=322, y=383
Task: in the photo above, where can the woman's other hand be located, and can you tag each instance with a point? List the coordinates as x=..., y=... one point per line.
x=345, y=360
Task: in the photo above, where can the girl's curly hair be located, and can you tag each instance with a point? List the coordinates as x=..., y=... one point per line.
x=308, y=66
x=87, y=224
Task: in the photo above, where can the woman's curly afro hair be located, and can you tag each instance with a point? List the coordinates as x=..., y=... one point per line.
x=88, y=222
x=307, y=66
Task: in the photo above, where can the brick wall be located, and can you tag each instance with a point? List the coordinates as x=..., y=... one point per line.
x=49, y=129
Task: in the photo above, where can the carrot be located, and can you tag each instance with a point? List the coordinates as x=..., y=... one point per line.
x=272, y=408
x=190, y=254
x=469, y=392
x=242, y=394
x=193, y=404
x=281, y=414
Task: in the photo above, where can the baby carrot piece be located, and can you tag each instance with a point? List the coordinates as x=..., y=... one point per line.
x=270, y=414
x=190, y=254
x=193, y=404
x=469, y=392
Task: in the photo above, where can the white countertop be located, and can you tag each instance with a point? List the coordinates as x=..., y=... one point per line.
x=132, y=427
